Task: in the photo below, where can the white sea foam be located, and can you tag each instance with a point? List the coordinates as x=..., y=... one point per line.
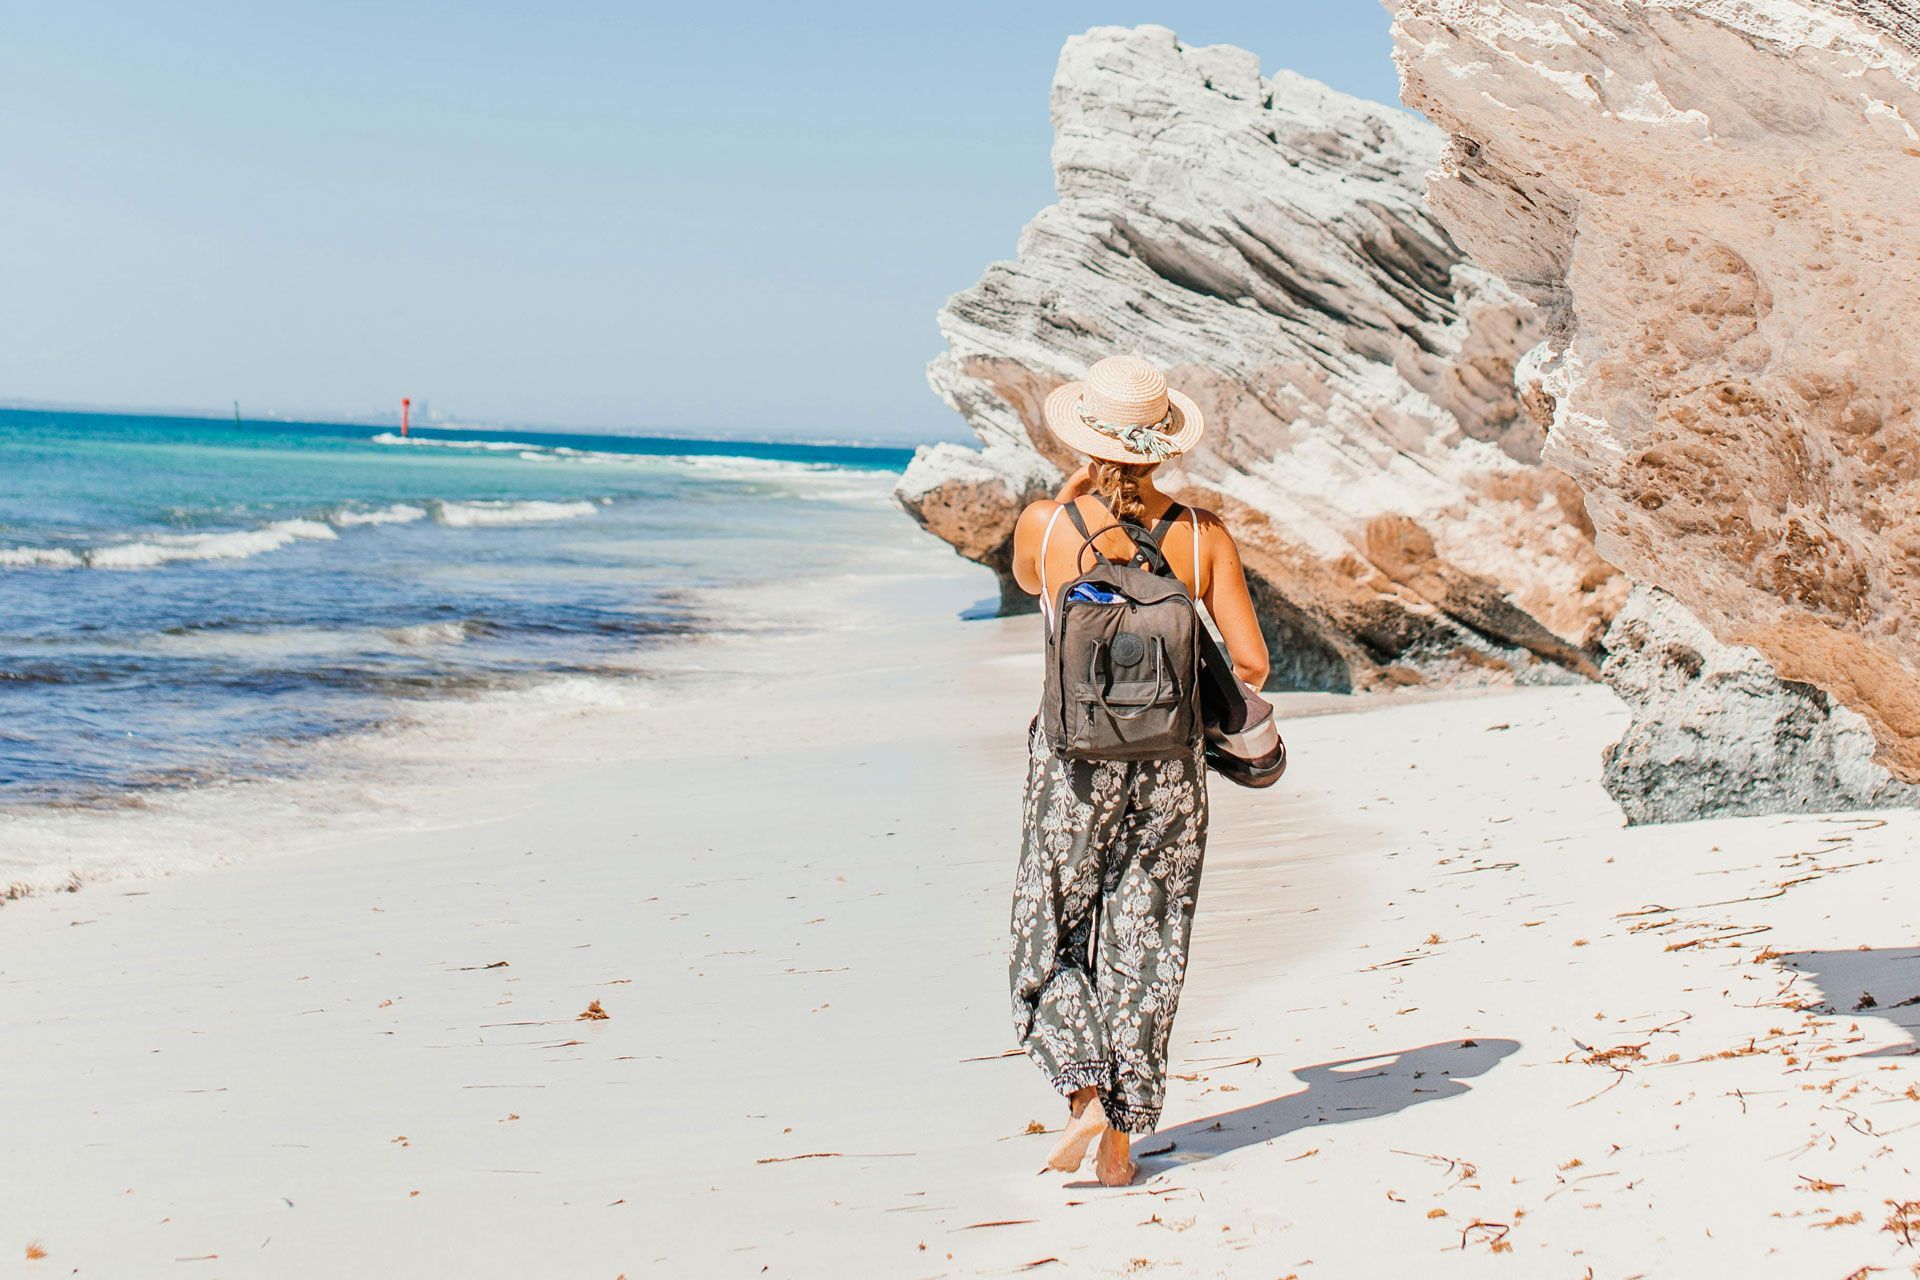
x=738, y=466
x=238, y=544
x=442, y=762
x=398, y=513
x=155, y=550
x=479, y=513
x=740, y=463
x=880, y=491
x=420, y=442
x=425, y=634
x=412, y=770
x=40, y=558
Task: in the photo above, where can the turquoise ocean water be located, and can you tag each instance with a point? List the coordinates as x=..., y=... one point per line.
x=185, y=601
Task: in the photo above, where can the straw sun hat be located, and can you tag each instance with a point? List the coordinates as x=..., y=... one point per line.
x=1123, y=411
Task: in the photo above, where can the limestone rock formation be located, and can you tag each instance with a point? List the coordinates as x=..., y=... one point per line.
x=1714, y=203
x=1717, y=733
x=971, y=497
x=1265, y=242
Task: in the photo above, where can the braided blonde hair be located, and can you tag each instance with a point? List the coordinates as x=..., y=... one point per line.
x=1118, y=484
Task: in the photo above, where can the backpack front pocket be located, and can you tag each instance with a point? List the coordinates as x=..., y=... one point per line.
x=1121, y=676
x=1127, y=708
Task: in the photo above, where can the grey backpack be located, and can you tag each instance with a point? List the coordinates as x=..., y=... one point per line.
x=1123, y=654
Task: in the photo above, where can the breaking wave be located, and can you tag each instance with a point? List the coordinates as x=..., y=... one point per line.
x=168, y=548
x=496, y=513
x=156, y=550
x=40, y=558
x=527, y=451
x=424, y=634
x=398, y=513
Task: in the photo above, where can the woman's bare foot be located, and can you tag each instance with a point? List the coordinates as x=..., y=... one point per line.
x=1087, y=1122
x=1114, y=1164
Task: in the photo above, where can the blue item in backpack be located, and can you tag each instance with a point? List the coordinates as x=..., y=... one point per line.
x=1087, y=593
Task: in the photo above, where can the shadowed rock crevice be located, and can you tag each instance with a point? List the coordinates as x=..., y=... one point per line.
x=1355, y=625
x=1305, y=658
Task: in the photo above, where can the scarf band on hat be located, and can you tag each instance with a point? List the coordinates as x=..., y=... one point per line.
x=1148, y=438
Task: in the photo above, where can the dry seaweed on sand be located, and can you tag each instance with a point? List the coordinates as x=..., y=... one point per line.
x=1904, y=1221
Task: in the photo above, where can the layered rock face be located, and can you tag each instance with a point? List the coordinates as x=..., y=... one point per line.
x=1714, y=203
x=1716, y=732
x=1265, y=242
x=971, y=498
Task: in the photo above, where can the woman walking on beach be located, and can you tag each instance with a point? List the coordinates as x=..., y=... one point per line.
x=1110, y=859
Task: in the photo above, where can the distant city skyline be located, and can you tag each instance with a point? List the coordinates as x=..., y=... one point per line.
x=734, y=221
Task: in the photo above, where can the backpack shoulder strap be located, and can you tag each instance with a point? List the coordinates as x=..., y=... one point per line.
x=1079, y=523
x=1148, y=553
x=1168, y=520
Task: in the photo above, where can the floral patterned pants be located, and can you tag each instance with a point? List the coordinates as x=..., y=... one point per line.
x=1111, y=849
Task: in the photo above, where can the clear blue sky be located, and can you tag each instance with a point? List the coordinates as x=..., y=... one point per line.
x=736, y=218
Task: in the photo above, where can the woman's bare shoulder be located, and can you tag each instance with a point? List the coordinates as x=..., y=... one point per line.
x=1033, y=521
x=1038, y=512
x=1211, y=525
x=1215, y=536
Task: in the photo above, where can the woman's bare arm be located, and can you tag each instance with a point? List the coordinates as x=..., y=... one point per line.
x=1027, y=535
x=1032, y=527
x=1231, y=606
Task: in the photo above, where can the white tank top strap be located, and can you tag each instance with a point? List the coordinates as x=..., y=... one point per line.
x=1196, y=547
x=1046, y=604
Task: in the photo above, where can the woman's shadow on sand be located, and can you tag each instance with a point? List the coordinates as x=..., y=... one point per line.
x=1350, y=1089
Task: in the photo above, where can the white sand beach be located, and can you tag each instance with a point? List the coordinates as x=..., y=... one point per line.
x=1443, y=1008
x=506, y=771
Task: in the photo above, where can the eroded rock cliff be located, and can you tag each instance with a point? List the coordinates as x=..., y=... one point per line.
x=1266, y=243
x=1713, y=201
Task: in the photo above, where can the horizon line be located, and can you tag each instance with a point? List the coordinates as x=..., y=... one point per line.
x=374, y=419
